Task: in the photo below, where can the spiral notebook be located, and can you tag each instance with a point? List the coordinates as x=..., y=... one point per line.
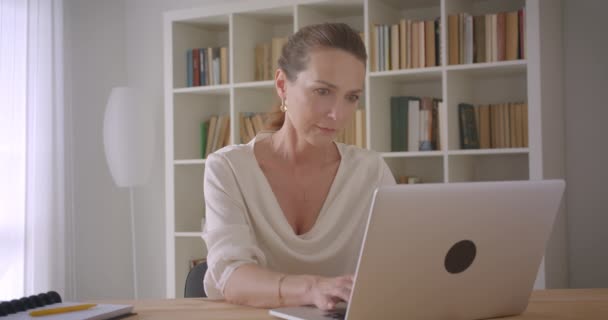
x=19, y=309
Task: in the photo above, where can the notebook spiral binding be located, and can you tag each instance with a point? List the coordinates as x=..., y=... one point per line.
x=27, y=303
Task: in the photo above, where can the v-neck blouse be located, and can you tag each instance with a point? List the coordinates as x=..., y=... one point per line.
x=245, y=223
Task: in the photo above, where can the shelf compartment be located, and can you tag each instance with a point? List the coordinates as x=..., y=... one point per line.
x=488, y=167
x=189, y=198
x=381, y=91
x=190, y=110
x=345, y=11
x=427, y=168
x=186, y=249
x=479, y=87
x=196, y=33
x=252, y=100
x=254, y=28
x=480, y=7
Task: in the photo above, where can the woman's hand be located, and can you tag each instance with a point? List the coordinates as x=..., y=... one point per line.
x=325, y=293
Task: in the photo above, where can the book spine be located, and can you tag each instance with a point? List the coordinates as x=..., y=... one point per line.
x=204, y=131
x=189, y=68
x=196, y=70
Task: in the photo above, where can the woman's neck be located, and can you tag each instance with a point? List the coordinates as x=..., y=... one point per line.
x=296, y=151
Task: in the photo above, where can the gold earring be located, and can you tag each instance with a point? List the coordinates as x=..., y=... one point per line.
x=284, y=105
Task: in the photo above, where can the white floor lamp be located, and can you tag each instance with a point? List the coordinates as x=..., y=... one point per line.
x=128, y=138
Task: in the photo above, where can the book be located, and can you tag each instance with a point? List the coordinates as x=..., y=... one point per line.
x=359, y=128
x=413, y=125
x=50, y=305
x=395, y=57
x=189, y=68
x=205, y=67
x=224, y=65
x=399, y=117
x=429, y=49
x=484, y=127
x=421, y=45
x=453, y=54
x=426, y=124
x=468, y=130
x=415, y=44
x=204, y=131
x=511, y=36
x=501, y=36
x=196, y=63
x=479, y=39
x=402, y=43
x=210, y=74
x=211, y=135
x=468, y=39
x=387, y=48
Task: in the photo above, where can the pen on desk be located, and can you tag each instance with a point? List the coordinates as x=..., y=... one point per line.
x=46, y=312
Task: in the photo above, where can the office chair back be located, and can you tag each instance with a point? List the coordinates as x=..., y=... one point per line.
x=194, y=282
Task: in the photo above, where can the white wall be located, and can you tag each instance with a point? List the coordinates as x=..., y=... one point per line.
x=114, y=43
x=95, y=62
x=586, y=83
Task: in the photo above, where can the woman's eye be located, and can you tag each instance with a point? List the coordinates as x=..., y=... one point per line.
x=353, y=98
x=322, y=91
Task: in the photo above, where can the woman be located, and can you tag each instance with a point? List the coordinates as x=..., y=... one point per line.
x=286, y=213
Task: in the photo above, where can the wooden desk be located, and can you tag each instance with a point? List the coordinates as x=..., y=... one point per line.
x=588, y=304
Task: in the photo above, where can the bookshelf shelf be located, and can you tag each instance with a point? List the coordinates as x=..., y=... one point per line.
x=488, y=151
x=189, y=162
x=412, y=154
x=409, y=75
x=223, y=89
x=188, y=234
x=255, y=84
x=534, y=81
x=484, y=68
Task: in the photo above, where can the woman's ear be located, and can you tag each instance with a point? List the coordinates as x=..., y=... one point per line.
x=280, y=83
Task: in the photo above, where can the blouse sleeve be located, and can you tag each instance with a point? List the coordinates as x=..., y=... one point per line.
x=227, y=229
x=387, y=176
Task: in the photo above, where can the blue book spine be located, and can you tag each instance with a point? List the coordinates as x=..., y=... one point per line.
x=189, y=67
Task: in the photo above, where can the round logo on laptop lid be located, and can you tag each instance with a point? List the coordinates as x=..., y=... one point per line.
x=460, y=257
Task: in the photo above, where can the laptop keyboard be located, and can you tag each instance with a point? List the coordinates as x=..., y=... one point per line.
x=336, y=314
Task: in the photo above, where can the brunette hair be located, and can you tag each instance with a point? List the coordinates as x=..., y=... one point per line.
x=295, y=54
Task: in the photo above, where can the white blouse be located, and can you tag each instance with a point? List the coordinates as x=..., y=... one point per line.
x=245, y=223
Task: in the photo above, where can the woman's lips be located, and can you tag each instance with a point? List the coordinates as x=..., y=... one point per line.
x=326, y=130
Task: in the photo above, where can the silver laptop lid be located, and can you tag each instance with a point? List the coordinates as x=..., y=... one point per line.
x=453, y=251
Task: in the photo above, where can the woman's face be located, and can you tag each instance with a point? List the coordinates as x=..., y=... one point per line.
x=324, y=96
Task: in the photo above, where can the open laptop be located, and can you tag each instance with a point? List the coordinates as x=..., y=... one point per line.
x=449, y=251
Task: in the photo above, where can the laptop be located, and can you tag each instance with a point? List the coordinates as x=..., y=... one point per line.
x=448, y=251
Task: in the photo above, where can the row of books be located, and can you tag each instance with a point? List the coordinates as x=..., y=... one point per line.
x=215, y=134
x=267, y=57
x=486, y=38
x=408, y=44
x=207, y=66
x=354, y=132
x=415, y=123
x=503, y=125
x=251, y=124
x=408, y=179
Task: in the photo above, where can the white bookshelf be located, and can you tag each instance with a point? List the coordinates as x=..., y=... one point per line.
x=241, y=26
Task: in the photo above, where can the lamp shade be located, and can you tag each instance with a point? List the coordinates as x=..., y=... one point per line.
x=128, y=136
